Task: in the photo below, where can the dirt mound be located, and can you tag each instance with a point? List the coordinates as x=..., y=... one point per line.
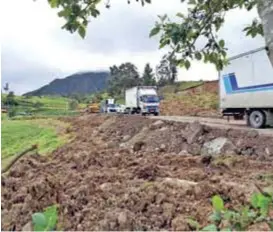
x=102, y=182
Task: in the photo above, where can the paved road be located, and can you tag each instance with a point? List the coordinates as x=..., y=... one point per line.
x=216, y=122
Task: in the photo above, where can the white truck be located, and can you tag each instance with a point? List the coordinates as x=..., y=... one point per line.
x=246, y=88
x=108, y=106
x=142, y=100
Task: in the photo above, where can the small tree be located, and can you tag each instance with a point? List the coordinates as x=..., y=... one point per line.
x=10, y=99
x=166, y=71
x=148, y=76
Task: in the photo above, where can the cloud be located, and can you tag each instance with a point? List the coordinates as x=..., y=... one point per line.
x=35, y=49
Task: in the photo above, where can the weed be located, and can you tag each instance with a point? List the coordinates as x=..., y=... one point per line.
x=223, y=219
x=47, y=220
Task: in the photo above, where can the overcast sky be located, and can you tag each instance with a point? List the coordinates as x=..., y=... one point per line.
x=35, y=50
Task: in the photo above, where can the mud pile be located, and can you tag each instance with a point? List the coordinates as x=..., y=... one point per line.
x=133, y=173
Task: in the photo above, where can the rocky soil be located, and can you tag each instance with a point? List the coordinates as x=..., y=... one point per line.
x=134, y=173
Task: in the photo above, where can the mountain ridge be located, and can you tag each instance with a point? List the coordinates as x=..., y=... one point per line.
x=78, y=83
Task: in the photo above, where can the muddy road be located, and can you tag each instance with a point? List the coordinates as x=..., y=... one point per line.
x=217, y=122
x=135, y=173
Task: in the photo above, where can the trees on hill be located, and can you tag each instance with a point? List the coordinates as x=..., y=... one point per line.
x=123, y=77
x=126, y=76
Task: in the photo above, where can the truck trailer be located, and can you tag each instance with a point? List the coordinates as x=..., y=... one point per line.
x=142, y=100
x=246, y=88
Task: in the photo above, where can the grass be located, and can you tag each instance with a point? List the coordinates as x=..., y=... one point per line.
x=18, y=135
x=204, y=100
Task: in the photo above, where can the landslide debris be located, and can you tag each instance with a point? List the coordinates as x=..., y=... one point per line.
x=133, y=173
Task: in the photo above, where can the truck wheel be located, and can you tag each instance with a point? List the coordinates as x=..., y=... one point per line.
x=155, y=114
x=257, y=119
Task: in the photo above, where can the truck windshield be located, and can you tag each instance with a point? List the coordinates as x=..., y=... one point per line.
x=111, y=105
x=149, y=99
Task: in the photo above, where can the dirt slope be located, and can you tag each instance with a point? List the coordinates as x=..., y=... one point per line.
x=201, y=100
x=134, y=173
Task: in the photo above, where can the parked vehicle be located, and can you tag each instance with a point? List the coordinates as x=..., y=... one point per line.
x=142, y=99
x=108, y=106
x=246, y=88
x=111, y=108
x=120, y=108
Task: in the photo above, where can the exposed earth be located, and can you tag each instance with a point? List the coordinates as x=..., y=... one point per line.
x=135, y=173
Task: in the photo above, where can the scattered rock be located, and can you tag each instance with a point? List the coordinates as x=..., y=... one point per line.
x=269, y=150
x=252, y=134
x=194, y=149
x=179, y=182
x=156, y=125
x=124, y=221
x=163, y=129
x=126, y=138
x=122, y=145
x=183, y=153
x=106, y=186
x=248, y=151
x=111, y=145
x=180, y=224
x=193, y=131
x=138, y=146
x=218, y=146
x=162, y=148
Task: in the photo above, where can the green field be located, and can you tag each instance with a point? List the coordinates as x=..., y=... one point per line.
x=18, y=135
x=43, y=106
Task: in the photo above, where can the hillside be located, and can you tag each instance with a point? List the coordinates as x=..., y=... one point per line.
x=83, y=83
x=190, y=98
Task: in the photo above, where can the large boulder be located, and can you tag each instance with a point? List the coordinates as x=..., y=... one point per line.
x=218, y=146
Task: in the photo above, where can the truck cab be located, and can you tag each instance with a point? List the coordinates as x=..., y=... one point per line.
x=149, y=103
x=142, y=100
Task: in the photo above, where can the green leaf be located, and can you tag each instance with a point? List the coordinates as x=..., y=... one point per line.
x=264, y=205
x=192, y=2
x=222, y=43
x=39, y=221
x=215, y=217
x=254, y=200
x=64, y=13
x=198, y=55
x=217, y=203
x=187, y=64
x=210, y=227
x=180, y=15
x=54, y=3
x=193, y=224
x=51, y=215
x=81, y=31
x=155, y=31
